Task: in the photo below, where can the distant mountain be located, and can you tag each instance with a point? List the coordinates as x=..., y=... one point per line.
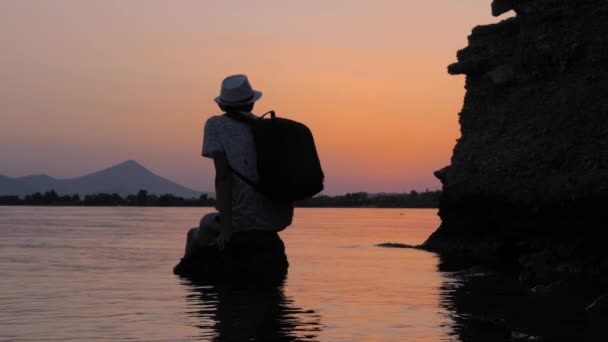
x=124, y=179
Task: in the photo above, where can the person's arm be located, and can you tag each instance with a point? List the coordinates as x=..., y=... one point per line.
x=223, y=193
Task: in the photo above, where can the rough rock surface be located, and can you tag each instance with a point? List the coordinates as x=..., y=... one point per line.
x=251, y=256
x=527, y=188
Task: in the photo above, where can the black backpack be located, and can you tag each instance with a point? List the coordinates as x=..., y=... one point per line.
x=288, y=165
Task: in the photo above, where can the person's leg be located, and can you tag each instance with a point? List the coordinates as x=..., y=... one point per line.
x=208, y=229
x=203, y=235
x=190, y=241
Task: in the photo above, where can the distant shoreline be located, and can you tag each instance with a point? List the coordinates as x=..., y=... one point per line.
x=198, y=206
x=412, y=200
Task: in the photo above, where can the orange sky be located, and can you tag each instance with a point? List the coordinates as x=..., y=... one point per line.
x=87, y=84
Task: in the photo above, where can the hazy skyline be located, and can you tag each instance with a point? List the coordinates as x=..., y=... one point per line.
x=88, y=84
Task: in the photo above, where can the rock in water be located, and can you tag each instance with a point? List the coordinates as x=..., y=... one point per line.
x=397, y=245
x=529, y=175
x=251, y=256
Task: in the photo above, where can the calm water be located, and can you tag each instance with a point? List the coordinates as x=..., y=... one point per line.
x=102, y=274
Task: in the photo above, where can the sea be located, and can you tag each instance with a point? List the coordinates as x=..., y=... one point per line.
x=105, y=274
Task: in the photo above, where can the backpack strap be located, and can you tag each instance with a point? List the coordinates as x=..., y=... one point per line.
x=272, y=114
x=244, y=179
x=237, y=116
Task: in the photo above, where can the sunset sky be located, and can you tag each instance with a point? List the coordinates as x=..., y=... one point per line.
x=88, y=84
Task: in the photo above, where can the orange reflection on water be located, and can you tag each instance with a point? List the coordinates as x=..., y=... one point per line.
x=364, y=292
x=91, y=274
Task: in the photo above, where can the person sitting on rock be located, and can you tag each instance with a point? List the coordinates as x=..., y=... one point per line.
x=230, y=144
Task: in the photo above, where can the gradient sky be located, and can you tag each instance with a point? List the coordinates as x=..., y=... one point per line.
x=87, y=84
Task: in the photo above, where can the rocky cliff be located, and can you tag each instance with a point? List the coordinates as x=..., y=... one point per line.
x=527, y=188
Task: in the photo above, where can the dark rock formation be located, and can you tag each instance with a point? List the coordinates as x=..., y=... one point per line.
x=251, y=256
x=527, y=188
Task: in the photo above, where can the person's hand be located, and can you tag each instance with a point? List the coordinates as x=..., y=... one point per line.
x=222, y=240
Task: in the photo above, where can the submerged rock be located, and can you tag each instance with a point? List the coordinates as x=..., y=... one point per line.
x=252, y=256
x=397, y=245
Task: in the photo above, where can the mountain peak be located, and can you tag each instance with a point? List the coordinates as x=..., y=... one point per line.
x=128, y=166
x=129, y=163
x=125, y=178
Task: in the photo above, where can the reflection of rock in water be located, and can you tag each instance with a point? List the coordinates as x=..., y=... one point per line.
x=237, y=294
x=497, y=307
x=248, y=312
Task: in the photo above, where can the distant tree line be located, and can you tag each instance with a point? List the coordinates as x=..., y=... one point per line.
x=427, y=199
x=142, y=199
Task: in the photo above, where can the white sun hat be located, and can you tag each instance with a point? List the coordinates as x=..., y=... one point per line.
x=236, y=91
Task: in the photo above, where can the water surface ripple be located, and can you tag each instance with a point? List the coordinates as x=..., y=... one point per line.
x=104, y=274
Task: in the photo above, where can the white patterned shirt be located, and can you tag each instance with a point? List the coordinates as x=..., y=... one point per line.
x=250, y=209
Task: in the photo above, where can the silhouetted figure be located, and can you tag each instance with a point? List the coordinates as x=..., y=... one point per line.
x=246, y=224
